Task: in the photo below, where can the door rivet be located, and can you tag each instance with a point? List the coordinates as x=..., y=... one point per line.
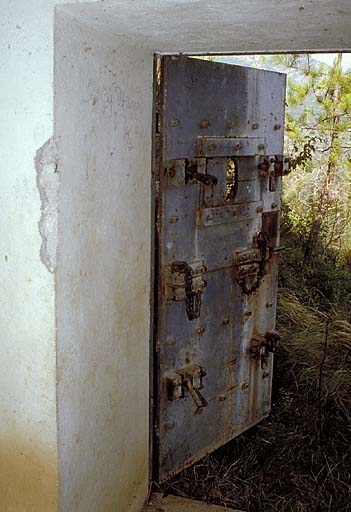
x=261, y=147
x=200, y=330
x=244, y=385
x=255, y=126
x=173, y=219
x=277, y=127
x=204, y=124
x=169, y=425
x=225, y=321
x=174, y=122
x=222, y=398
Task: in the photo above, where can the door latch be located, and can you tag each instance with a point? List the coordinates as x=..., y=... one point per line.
x=187, y=379
x=262, y=346
x=249, y=265
x=192, y=173
x=185, y=281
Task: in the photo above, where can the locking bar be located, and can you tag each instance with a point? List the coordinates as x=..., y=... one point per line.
x=230, y=146
x=192, y=173
x=189, y=171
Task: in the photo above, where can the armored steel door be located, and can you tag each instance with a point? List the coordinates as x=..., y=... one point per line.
x=218, y=168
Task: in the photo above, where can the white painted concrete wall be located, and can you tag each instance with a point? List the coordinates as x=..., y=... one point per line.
x=28, y=427
x=28, y=458
x=103, y=94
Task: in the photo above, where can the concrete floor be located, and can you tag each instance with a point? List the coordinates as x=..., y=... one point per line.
x=160, y=503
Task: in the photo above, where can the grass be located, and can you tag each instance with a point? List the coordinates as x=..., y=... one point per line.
x=299, y=459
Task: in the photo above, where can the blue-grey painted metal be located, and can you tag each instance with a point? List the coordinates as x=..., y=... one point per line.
x=214, y=119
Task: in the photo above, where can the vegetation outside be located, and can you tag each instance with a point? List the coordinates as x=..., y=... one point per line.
x=299, y=459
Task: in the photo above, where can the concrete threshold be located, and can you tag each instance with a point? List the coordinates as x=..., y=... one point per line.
x=161, y=503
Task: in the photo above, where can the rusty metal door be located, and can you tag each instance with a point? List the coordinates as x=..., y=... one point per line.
x=218, y=167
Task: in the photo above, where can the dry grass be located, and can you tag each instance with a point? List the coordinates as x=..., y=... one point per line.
x=299, y=459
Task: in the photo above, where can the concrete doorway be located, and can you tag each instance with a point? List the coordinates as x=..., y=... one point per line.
x=104, y=83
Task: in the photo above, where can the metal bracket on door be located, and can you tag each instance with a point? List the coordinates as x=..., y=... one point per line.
x=230, y=146
x=249, y=265
x=189, y=170
x=272, y=167
x=184, y=281
x=188, y=378
x=262, y=346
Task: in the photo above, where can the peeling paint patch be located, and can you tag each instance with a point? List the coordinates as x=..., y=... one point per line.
x=46, y=164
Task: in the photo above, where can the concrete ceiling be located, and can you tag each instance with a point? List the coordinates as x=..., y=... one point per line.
x=223, y=26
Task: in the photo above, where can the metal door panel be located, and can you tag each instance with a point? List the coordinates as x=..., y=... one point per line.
x=213, y=241
x=228, y=106
x=214, y=370
x=186, y=418
x=179, y=222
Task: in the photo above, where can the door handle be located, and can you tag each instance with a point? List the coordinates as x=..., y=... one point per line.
x=194, y=393
x=191, y=173
x=206, y=179
x=188, y=378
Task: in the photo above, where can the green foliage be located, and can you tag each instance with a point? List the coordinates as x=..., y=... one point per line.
x=324, y=283
x=302, y=154
x=318, y=127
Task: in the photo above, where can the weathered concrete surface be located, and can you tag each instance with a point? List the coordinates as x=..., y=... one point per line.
x=103, y=130
x=224, y=26
x=160, y=503
x=28, y=426
x=28, y=454
x=46, y=164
